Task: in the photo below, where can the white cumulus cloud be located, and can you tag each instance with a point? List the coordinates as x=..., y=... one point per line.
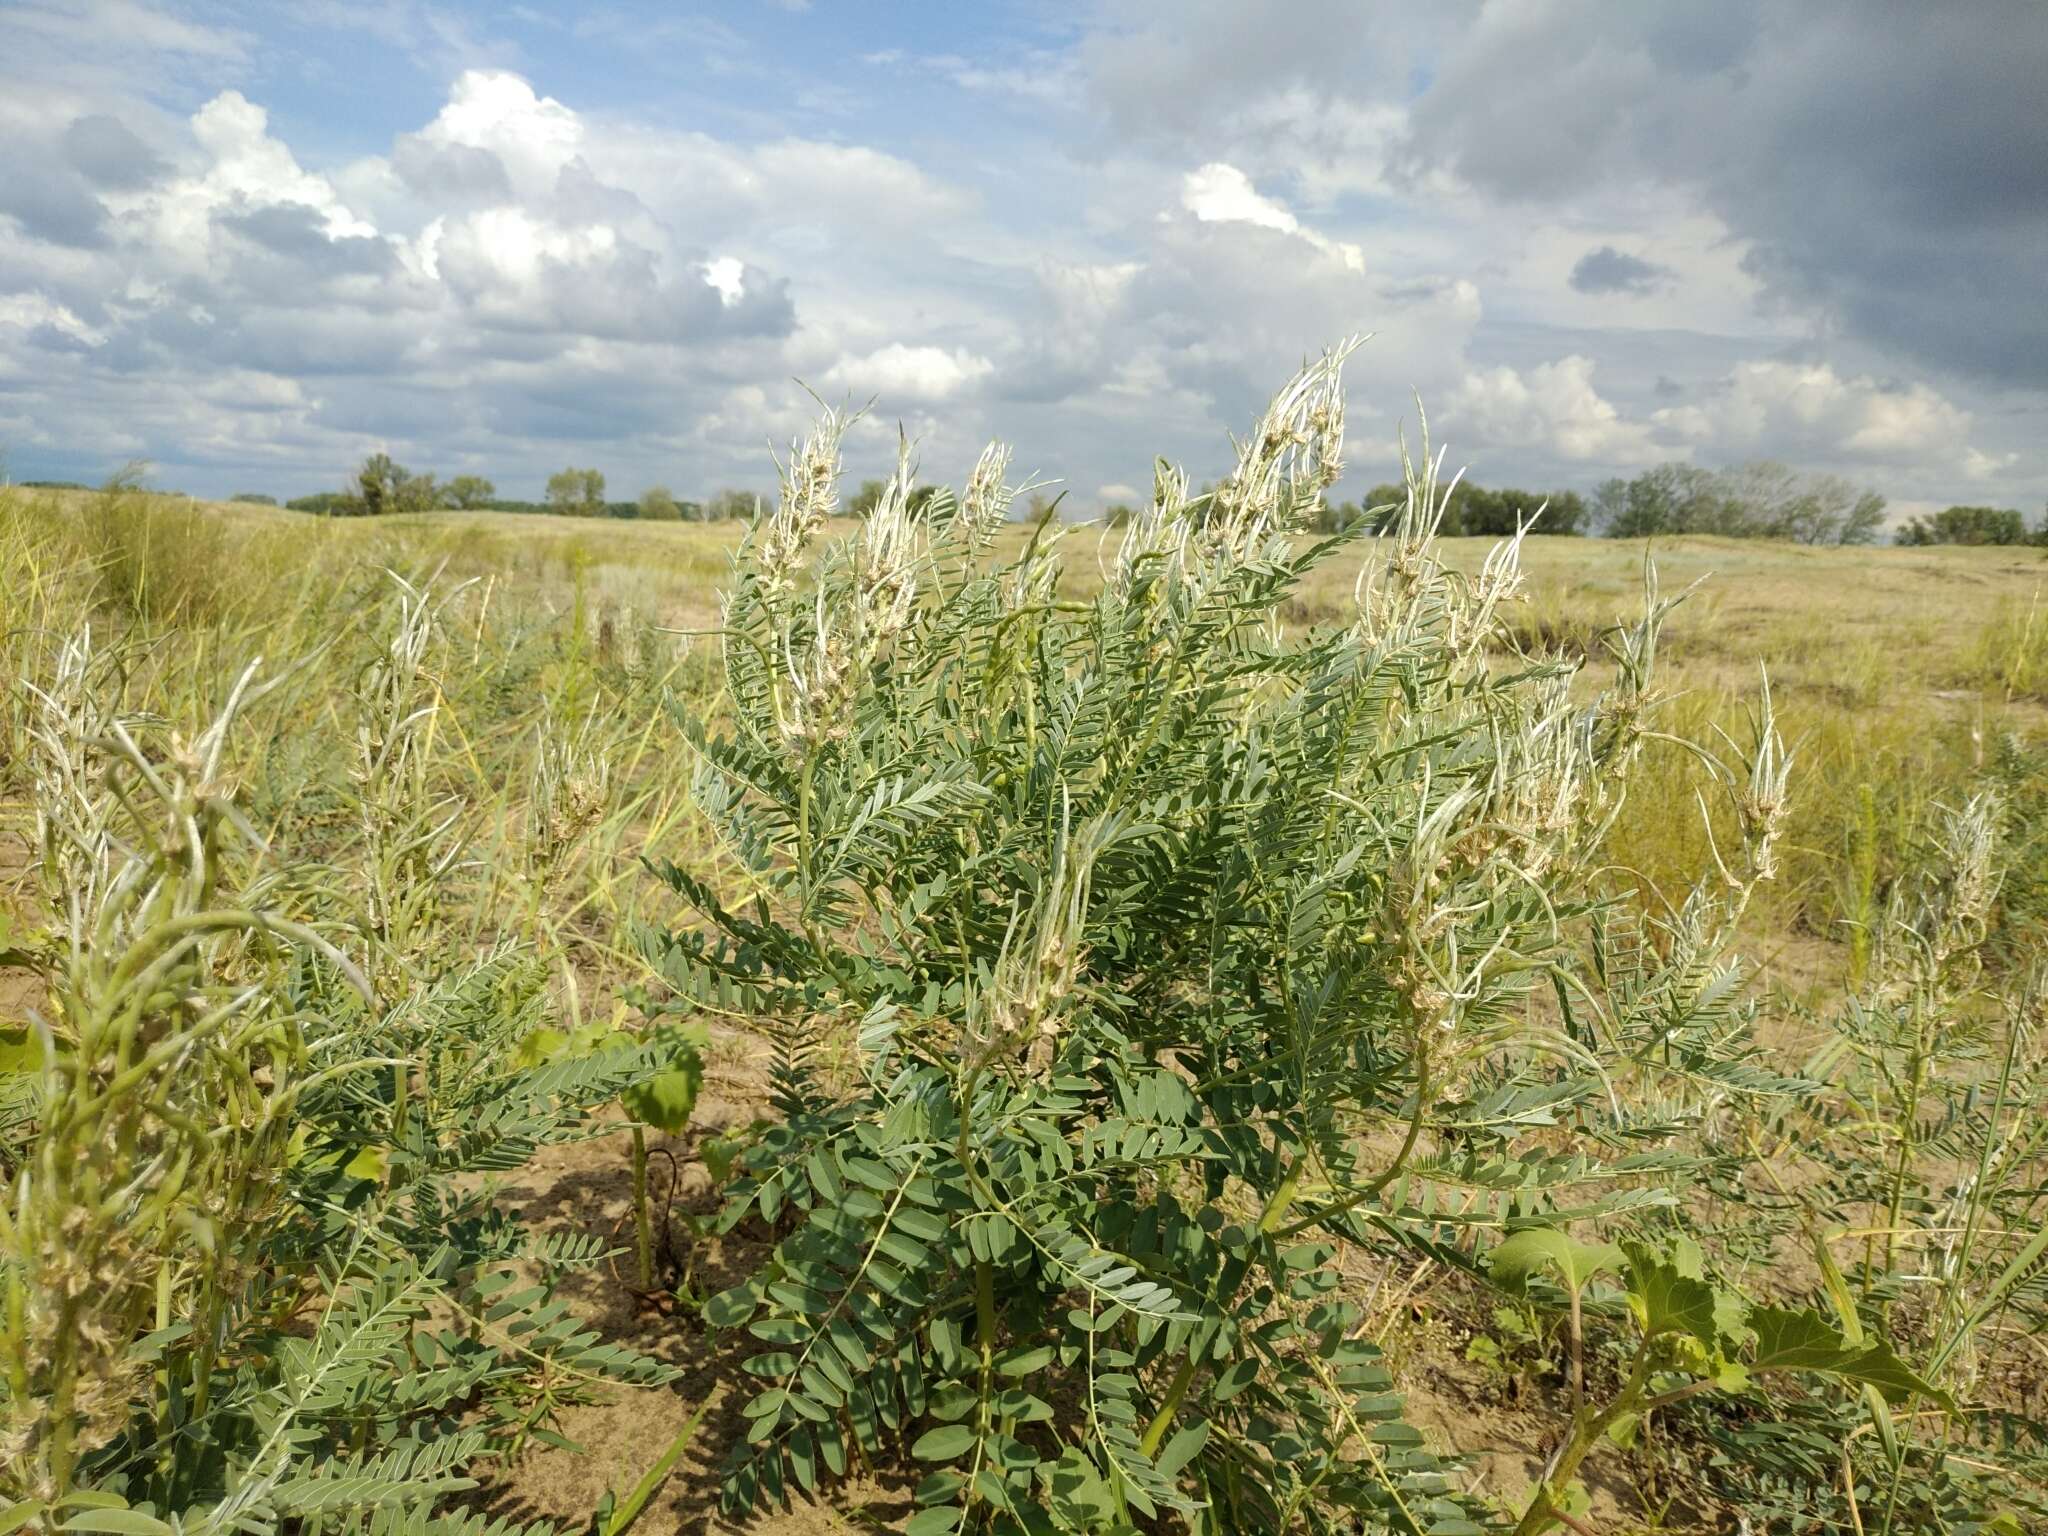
x=1808, y=410
x=1218, y=193
x=899, y=372
x=1553, y=406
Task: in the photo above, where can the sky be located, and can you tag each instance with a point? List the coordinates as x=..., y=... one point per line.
x=251, y=243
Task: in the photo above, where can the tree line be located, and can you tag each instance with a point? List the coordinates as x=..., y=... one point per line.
x=1761, y=499
x=1757, y=500
x=382, y=485
x=1973, y=525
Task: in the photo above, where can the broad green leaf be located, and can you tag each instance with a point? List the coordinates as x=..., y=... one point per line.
x=539, y=1048
x=666, y=1100
x=1080, y=1498
x=730, y=1308
x=1667, y=1301
x=1795, y=1341
x=1804, y=1341
x=1182, y=1449
x=1527, y=1253
x=20, y=1051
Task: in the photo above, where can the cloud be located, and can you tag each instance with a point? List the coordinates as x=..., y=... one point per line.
x=1222, y=194
x=1887, y=167
x=1607, y=270
x=482, y=280
x=1104, y=235
x=122, y=27
x=529, y=138
x=1807, y=411
x=908, y=374
x=36, y=315
x=1194, y=74
x=1554, y=407
x=728, y=275
x=107, y=153
x=451, y=174
x=53, y=203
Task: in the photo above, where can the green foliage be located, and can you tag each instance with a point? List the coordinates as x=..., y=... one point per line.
x=658, y=504
x=1470, y=510
x=383, y=485
x=1757, y=500
x=740, y=506
x=253, y=1271
x=576, y=492
x=323, y=504
x=469, y=493
x=1692, y=1337
x=1967, y=525
x=1174, y=952
x=1533, y=1250
x=1917, y=1186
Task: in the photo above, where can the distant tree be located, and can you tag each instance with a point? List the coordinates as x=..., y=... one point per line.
x=1670, y=499
x=253, y=499
x=1778, y=502
x=658, y=504
x=418, y=493
x=325, y=504
x=576, y=492
x=1474, y=511
x=469, y=493
x=377, y=481
x=1758, y=500
x=1118, y=514
x=1967, y=525
x=384, y=485
x=734, y=504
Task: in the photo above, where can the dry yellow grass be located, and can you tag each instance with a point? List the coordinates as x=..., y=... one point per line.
x=1895, y=671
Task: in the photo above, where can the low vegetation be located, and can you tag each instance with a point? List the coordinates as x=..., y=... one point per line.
x=1217, y=1026
x=1972, y=525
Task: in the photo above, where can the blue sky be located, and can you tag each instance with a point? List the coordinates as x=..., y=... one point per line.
x=250, y=243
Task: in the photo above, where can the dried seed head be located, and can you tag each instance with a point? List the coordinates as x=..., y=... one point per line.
x=886, y=558
x=1294, y=453
x=809, y=495
x=820, y=678
x=569, y=787
x=985, y=504
x=1969, y=874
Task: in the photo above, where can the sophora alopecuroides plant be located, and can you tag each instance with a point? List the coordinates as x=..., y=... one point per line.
x=1179, y=953
x=254, y=1275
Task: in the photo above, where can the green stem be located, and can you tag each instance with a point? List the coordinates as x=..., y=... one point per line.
x=1543, y=1511
x=643, y=1226
x=1175, y=1393
x=985, y=1329
x=1371, y=1191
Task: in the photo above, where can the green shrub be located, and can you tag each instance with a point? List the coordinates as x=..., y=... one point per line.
x=1177, y=953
